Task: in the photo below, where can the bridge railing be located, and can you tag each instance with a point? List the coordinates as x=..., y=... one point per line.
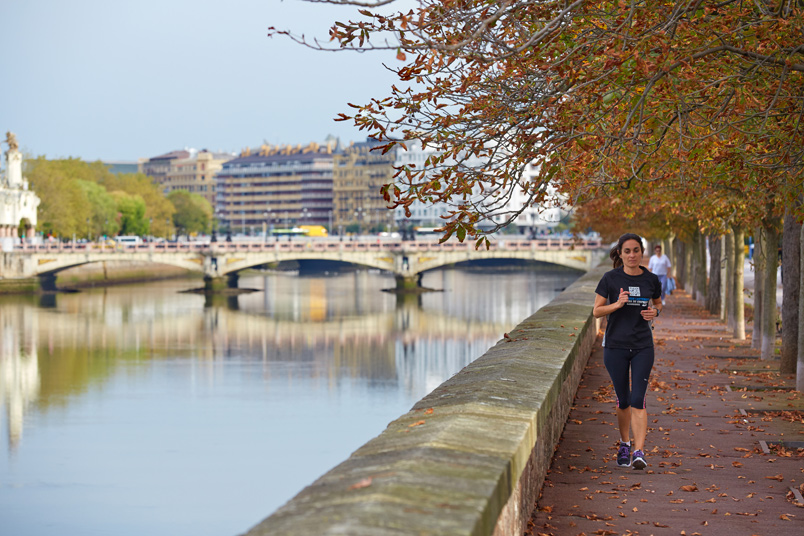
x=317, y=245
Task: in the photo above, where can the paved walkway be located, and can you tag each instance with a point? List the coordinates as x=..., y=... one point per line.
x=714, y=411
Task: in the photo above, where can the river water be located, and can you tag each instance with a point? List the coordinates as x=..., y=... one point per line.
x=142, y=409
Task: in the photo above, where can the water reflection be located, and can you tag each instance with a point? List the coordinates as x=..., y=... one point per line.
x=264, y=391
x=19, y=368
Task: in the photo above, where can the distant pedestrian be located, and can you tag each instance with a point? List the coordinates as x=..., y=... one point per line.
x=660, y=265
x=630, y=296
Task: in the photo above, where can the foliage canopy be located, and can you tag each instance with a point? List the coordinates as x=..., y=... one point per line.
x=87, y=200
x=700, y=101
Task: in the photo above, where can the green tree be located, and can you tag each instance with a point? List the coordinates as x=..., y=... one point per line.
x=69, y=204
x=159, y=210
x=130, y=213
x=103, y=207
x=63, y=210
x=193, y=212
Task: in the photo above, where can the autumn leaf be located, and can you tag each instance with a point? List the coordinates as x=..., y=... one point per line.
x=689, y=487
x=418, y=423
x=361, y=484
x=780, y=478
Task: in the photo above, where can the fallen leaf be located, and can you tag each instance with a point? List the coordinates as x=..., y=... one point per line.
x=689, y=487
x=428, y=411
x=419, y=423
x=775, y=477
x=361, y=484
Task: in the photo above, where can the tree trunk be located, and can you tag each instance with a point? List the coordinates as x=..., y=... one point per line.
x=692, y=279
x=700, y=269
x=759, y=281
x=769, y=306
x=713, y=294
x=724, y=278
x=738, y=291
x=728, y=278
x=791, y=253
x=800, y=371
x=669, y=250
x=682, y=266
x=689, y=269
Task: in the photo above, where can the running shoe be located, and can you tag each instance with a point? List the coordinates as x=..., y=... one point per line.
x=624, y=455
x=639, y=460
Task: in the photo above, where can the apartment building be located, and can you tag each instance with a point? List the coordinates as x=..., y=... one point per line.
x=188, y=170
x=276, y=186
x=421, y=214
x=534, y=219
x=358, y=176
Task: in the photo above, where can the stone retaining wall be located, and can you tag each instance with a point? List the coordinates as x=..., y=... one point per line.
x=469, y=458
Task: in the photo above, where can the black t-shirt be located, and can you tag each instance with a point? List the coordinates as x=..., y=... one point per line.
x=626, y=328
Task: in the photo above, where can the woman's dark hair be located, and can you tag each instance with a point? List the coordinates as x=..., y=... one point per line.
x=616, y=251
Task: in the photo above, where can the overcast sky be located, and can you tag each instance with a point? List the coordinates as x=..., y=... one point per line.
x=113, y=80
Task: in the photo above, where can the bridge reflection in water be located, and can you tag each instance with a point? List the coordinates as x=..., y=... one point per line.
x=126, y=369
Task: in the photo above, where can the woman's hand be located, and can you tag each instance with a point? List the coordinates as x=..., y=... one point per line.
x=623, y=299
x=650, y=313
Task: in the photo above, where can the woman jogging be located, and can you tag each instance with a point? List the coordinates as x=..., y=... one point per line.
x=631, y=297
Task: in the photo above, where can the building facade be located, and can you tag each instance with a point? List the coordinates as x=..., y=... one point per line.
x=18, y=204
x=533, y=220
x=276, y=187
x=158, y=167
x=188, y=170
x=358, y=176
x=421, y=214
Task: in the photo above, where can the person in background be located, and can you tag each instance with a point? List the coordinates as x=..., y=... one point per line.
x=660, y=265
x=630, y=296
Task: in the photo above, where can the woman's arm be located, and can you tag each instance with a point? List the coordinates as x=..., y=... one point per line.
x=601, y=309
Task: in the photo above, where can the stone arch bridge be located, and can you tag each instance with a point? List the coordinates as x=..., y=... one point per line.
x=220, y=262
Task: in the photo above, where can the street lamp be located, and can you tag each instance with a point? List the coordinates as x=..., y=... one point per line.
x=265, y=226
x=89, y=236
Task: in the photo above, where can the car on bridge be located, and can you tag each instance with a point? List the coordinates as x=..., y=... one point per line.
x=128, y=240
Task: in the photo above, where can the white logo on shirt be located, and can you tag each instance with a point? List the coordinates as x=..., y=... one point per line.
x=634, y=291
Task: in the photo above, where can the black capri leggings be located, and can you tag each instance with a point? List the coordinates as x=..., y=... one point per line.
x=618, y=362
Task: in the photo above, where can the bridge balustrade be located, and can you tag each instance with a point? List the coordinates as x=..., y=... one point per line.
x=311, y=245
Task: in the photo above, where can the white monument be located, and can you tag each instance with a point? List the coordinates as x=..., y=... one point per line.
x=18, y=204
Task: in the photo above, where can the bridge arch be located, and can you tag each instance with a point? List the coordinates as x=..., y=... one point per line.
x=224, y=260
